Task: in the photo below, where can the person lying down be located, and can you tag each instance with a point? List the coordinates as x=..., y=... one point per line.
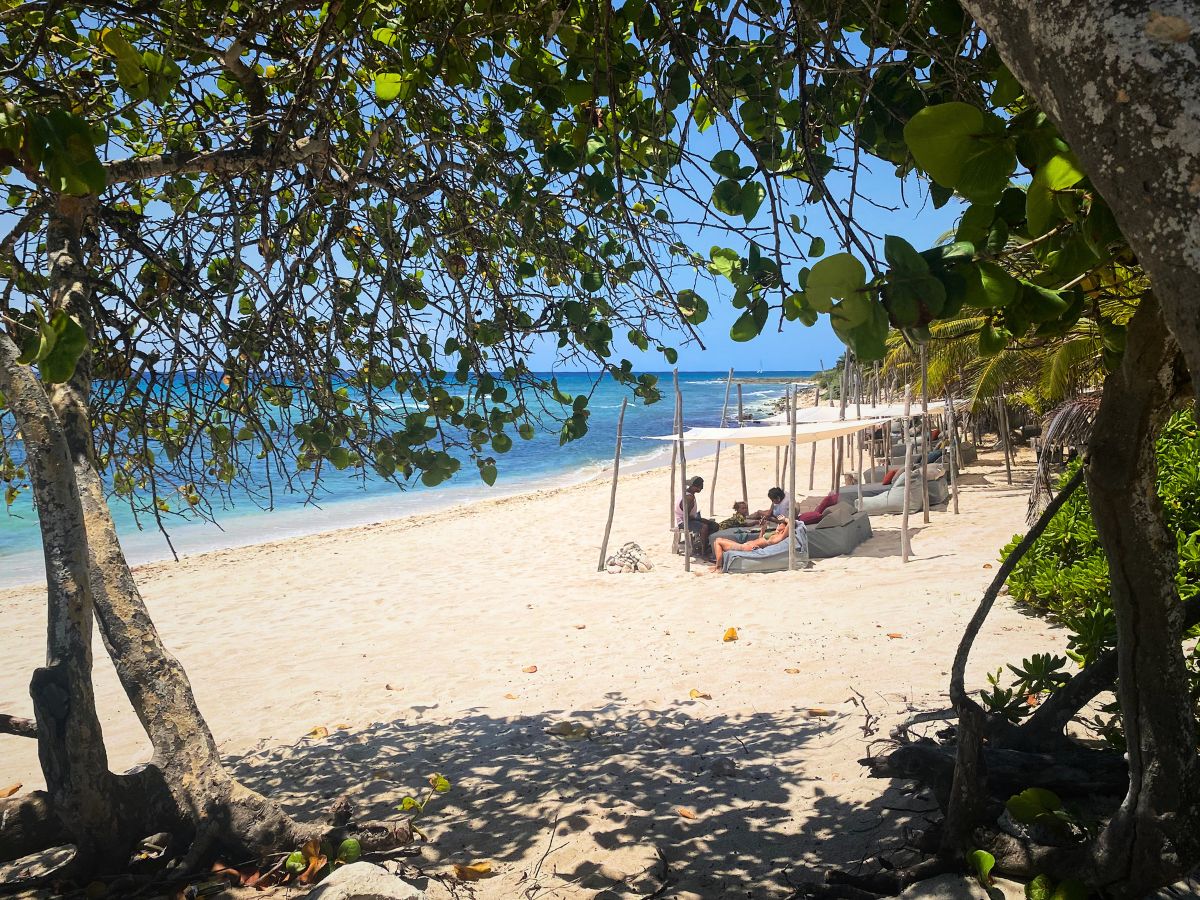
x=722, y=545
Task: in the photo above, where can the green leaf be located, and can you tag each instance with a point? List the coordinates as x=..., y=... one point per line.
x=1070, y=890
x=501, y=442
x=903, y=257
x=1039, y=889
x=975, y=223
x=752, y=198
x=727, y=164
x=727, y=197
x=1031, y=804
x=1058, y=173
x=940, y=139
x=989, y=286
x=745, y=328
x=982, y=863
x=562, y=157
x=591, y=281
x=868, y=338
x=723, y=261
x=985, y=174
x=440, y=784
x=340, y=457
x=488, y=473
x=38, y=344
x=391, y=86
x=58, y=365
x=692, y=307
x=349, y=851
x=836, y=276
x=817, y=247
x=408, y=803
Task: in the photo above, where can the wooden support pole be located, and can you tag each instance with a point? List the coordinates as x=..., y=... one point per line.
x=925, y=433
x=1002, y=425
x=791, y=420
x=812, y=462
x=858, y=435
x=612, y=495
x=905, y=547
x=712, y=496
x=952, y=448
x=742, y=450
x=674, y=462
x=687, y=524
x=791, y=538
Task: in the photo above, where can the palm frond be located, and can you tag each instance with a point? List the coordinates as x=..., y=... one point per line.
x=1069, y=424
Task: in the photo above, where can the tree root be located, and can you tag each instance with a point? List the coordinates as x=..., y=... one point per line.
x=29, y=824
x=17, y=726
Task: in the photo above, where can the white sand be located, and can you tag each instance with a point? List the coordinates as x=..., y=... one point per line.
x=413, y=633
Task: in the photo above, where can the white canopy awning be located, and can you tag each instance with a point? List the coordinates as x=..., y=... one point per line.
x=832, y=413
x=773, y=435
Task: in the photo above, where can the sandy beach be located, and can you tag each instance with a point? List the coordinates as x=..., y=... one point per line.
x=411, y=642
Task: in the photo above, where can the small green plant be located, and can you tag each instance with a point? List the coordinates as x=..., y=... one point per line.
x=1037, y=676
x=1042, y=888
x=1038, y=806
x=438, y=784
x=981, y=864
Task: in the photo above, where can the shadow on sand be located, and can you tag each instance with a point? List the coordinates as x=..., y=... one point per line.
x=609, y=815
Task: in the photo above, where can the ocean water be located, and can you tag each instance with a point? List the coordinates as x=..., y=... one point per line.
x=347, y=500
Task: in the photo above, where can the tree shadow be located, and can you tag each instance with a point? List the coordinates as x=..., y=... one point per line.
x=717, y=805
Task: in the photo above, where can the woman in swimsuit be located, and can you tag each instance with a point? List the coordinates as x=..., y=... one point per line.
x=720, y=545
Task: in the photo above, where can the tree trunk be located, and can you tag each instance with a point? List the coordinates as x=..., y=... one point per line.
x=186, y=789
x=1155, y=836
x=1119, y=78
x=70, y=741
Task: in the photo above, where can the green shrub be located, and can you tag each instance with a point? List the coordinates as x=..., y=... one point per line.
x=1065, y=573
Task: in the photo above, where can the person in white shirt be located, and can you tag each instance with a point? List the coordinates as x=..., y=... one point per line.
x=778, y=509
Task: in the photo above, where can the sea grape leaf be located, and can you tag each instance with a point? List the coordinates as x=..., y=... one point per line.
x=941, y=137
x=836, y=276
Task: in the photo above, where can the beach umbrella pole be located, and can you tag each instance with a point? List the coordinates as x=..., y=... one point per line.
x=742, y=451
x=905, y=549
x=791, y=538
x=952, y=448
x=687, y=524
x=1002, y=425
x=812, y=462
x=612, y=495
x=712, y=497
x=925, y=432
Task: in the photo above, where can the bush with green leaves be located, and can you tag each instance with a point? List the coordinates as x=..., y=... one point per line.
x=1065, y=575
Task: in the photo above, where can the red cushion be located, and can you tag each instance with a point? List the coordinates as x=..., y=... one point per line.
x=890, y=476
x=826, y=503
x=810, y=518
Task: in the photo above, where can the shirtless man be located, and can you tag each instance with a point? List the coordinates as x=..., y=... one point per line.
x=720, y=545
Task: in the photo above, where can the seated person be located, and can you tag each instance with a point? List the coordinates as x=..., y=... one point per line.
x=739, y=518
x=777, y=510
x=721, y=545
x=688, y=510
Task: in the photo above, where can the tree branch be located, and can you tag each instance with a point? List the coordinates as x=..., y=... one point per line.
x=233, y=161
x=17, y=726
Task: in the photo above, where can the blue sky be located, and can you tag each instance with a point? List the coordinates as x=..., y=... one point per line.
x=907, y=213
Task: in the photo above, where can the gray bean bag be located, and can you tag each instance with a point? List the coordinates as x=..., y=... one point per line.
x=837, y=534
x=891, y=502
x=768, y=559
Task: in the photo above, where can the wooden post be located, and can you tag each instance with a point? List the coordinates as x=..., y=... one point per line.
x=712, y=497
x=840, y=444
x=612, y=496
x=742, y=451
x=674, y=463
x=858, y=435
x=905, y=547
x=812, y=463
x=925, y=432
x=952, y=447
x=791, y=420
x=791, y=538
x=1002, y=425
x=687, y=524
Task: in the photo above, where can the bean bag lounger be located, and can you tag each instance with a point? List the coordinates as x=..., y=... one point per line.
x=839, y=533
x=767, y=559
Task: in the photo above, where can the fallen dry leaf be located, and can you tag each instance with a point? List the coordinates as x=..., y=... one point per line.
x=529, y=670
x=895, y=635
x=391, y=687
x=10, y=790
x=987, y=565
x=818, y=711
x=319, y=732
x=686, y=812
x=699, y=695
x=792, y=671
x=1031, y=700
x=730, y=635
x=341, y=726
x=481, y=868
x=510, y=696
x=580, y=627
x=569, y=731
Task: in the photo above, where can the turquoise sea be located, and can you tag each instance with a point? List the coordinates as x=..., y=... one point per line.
x=347, y=500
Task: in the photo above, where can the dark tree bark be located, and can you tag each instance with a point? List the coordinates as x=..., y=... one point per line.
x=185, y=789
x=1155, y=836
x=1121, y=80
x=30, y=825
